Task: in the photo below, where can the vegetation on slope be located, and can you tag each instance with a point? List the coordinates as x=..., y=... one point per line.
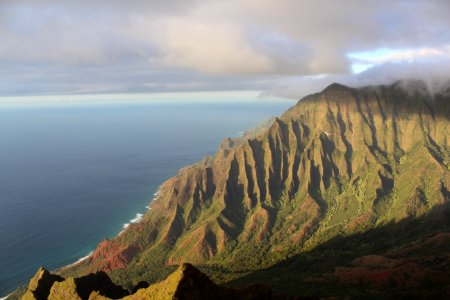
x=340, y=163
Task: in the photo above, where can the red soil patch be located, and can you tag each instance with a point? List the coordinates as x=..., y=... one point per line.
x=111, y=256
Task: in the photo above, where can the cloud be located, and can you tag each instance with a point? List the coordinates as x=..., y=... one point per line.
x=434, y=73
x=217, y=49
x=213, y=42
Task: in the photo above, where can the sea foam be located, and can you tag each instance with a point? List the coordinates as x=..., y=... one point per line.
x=84, y=257
x=76, y=262
x=136, y=219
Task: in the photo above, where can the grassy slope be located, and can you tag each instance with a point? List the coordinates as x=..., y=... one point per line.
x=339, y=163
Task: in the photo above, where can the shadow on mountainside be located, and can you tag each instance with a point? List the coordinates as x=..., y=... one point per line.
x=409, y=258
x=409, y=98
x=403, y=260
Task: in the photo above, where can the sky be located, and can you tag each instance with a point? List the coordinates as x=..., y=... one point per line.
x=282, y=47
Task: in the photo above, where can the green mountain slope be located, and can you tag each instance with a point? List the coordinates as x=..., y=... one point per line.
x=338, y=165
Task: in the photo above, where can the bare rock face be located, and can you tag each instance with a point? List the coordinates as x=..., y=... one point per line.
x=66, y=289
x=112, y=256
x=40, y=285
x=185, y=283
x=49, y=286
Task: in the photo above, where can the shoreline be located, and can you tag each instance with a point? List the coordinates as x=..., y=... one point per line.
x=151, y=197
x=138, y=217
x=81, y=259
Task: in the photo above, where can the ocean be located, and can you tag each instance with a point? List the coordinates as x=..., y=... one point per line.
x=72, y=175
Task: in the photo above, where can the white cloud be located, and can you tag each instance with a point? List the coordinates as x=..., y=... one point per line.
x=435, y=74
x=212, y=48
x=269, y=39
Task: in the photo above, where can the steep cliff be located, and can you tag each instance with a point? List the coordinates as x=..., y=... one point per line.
x=339, y=163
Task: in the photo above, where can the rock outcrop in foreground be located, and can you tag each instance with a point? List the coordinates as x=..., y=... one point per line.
x=186, y=282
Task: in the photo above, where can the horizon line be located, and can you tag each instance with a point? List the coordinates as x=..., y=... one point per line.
x=147, y=97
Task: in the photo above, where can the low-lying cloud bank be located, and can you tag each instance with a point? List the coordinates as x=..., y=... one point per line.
x=435, y=75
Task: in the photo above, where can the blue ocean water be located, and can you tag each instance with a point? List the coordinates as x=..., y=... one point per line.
x=72, y=175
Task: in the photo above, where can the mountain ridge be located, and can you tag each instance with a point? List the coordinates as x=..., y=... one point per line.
x=340, y=162
x=308, y=152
